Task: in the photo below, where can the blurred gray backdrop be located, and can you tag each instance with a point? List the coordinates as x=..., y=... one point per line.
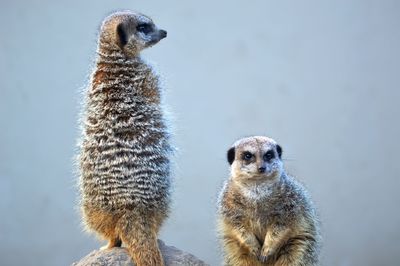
x=321, y=77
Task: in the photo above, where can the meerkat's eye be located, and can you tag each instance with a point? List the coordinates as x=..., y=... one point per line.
x=145, y=28
x=247, y=156
x=269, y=155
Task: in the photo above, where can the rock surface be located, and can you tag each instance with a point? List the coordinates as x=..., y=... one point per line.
x=119, y=257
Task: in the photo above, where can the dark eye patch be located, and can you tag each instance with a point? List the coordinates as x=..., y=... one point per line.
x=247, y=156
x=145, y=28
x=279, y=150
x=269, y=155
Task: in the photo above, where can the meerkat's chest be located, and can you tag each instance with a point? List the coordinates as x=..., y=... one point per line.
x=261, y=217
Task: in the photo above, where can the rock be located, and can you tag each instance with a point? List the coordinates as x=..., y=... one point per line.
x=119, y=257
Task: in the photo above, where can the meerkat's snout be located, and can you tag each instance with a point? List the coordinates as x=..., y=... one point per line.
x=157, y=36
x=262, y=169
x=163, y=34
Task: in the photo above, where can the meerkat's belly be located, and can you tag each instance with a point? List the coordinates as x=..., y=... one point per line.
x=258, y=227
x=261, y=218
x=126, y=173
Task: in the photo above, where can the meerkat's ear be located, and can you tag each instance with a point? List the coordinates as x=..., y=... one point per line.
x=231, y=155
x=122, y=36
x=279, y=150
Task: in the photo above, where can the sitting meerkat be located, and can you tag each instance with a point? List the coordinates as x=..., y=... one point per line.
x=265, y=216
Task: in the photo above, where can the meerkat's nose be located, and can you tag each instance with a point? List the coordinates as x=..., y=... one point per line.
x=163, y=33
x=262, y=169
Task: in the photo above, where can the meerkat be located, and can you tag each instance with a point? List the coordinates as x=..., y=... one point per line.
x=265, y=217
x=125, y=148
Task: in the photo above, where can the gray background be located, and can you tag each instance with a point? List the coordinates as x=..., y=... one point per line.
x=321, y=77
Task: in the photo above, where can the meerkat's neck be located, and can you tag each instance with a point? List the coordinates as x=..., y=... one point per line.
x=114, y=68
x=111, y=55
x=118, y=79
x=257, y=190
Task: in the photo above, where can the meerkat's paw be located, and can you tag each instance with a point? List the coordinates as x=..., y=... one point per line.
x=253, y=246
x=266, y=254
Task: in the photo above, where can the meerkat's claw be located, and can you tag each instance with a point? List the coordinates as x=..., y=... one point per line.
x=265, y=255
x=263, y=258
x=266, y=252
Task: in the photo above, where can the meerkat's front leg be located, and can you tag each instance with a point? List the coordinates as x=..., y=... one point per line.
x=236, y=237
x=249, y=241
x=241, y=248
x=276, y=236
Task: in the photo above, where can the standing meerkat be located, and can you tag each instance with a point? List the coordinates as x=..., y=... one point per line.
x=265, y=216
x=124, y=159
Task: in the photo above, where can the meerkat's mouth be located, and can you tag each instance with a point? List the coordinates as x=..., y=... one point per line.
x=263, y=176
x=161, y=34
x=151, y=43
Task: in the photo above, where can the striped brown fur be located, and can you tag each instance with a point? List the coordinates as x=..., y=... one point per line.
x=125, y=148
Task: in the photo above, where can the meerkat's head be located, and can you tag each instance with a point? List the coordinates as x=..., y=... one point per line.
x=130, y=32
x=255, y=159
